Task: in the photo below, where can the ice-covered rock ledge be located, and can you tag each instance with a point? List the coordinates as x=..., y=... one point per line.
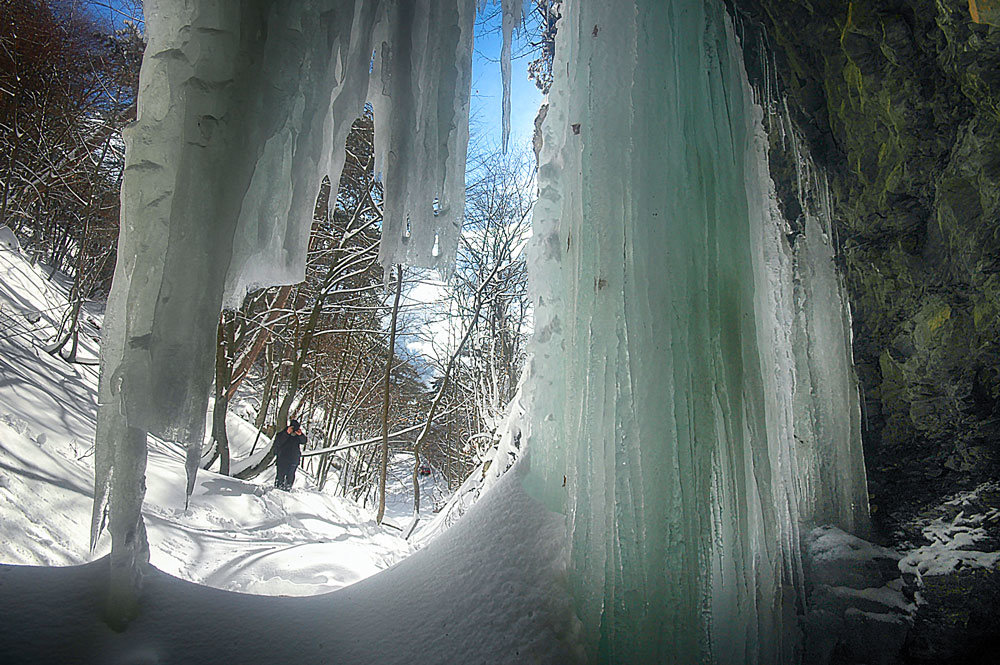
x=857, y=611
x=489, y=590
x=932, y=602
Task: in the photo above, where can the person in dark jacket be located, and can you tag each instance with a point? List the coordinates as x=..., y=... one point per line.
x=287, y=452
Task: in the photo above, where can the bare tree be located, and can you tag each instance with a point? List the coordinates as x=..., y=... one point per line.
x=489, y=312
x=223, y=377
x=67, y=87
x=343, y=281
x=384, y=453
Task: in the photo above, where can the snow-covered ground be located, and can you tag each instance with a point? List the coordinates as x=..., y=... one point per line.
x=235, y=535
x=490, y=589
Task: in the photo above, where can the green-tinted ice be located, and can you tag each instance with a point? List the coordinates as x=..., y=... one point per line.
x=694, y=401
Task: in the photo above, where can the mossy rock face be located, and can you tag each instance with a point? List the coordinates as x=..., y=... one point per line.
x=957, y=621
x=899, y=102
x=985, y=11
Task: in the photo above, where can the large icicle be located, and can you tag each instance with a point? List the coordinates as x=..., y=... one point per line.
x=511, y=18
x=243, y=108
x=681, y=346
x=421, y=88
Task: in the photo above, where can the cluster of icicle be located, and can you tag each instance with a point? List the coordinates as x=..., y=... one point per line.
x=244, y=106
x=693, y=402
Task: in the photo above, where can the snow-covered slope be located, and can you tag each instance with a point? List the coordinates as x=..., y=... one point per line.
x=461, y=599
x=489, y=590
x=234, y=535
x=503, y=456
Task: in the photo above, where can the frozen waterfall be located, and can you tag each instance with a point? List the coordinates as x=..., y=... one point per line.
x=694, y=400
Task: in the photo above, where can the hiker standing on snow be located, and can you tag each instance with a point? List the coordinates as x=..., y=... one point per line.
x=287, y=451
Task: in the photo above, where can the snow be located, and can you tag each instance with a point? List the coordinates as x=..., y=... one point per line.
x=833, y=544
x=884, y=596
x=8, y=240
x=235, y=535
x=490, y=590
x=247, y=447
x=399, y=489
x=952, y=538
x=503, y=456
x=45, y=502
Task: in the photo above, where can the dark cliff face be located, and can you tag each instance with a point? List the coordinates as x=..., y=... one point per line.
x=899, y=101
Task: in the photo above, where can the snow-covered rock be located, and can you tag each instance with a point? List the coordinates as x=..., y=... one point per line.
x=954, y=534
x=952, y=567
x=837, y=558
x=8, y=240
x=856, y=611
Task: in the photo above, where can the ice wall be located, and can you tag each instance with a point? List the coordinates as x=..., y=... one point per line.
x=693, y=400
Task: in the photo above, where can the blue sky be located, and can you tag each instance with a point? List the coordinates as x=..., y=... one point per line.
x=487, y=87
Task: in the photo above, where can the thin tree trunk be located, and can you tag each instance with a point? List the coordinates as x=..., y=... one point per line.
x=364, y=479
x=270, y=392
x=384, y=461
x=293, y=384
x=70, y=323
x=263, y=337
x=375, y=439
x=338, y=397
x=222, y=377
x=270, y=387
x=11, y=160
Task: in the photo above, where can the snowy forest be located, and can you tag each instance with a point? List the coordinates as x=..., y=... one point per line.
x=317, y=350
x=638, y=331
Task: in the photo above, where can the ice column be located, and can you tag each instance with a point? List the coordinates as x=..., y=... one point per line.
x=243, y=108
x=827, y=405
x=681, y=346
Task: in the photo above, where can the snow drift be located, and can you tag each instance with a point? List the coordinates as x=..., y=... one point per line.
x=477, y=594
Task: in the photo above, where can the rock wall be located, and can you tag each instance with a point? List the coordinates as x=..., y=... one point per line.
x=899, y=101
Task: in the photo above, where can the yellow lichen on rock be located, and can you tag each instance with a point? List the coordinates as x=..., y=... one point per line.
x=937, y=319
x=985, y=11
